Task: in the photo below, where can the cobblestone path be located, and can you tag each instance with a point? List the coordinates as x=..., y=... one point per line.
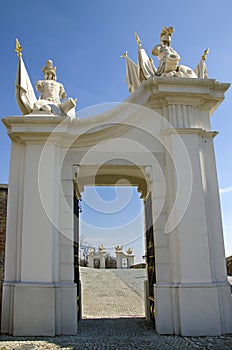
x=106, y=295
x=113, y=333
x=116, y=334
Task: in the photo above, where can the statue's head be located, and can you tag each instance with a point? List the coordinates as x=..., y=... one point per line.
x=49, y=71
x=166, y=35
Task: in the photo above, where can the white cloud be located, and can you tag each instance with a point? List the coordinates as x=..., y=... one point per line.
x=225, y=190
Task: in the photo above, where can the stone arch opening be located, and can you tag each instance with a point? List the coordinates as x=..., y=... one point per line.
x=116, y=240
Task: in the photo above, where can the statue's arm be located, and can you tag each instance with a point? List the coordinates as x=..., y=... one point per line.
x=156, y=50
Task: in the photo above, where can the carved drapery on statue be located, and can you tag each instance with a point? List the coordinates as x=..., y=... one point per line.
x=51, y=91
x=168, y=63
x=201, y=69
x=132, y=78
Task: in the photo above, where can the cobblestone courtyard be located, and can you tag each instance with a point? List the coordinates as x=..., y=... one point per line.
x=122, y=325
x=114, y=293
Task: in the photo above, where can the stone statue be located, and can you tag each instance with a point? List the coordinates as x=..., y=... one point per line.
x=168, y=57
x=129, y=251
x=118, y=248
x=51, y=93
x=168, y=65
x=49, y=88
x=91, y=250
x=101, y=248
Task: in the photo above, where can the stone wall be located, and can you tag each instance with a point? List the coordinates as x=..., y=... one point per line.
x=3, y=212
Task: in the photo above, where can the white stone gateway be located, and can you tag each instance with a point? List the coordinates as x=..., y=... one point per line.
x=160, y=140
x=100, y=256
x=122, y=257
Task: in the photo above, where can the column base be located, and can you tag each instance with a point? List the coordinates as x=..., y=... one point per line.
x=38, y=309
x=193, y=309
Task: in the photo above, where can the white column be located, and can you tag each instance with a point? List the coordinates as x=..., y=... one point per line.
x=12, y=271
x=102, y=259
x=67, y=290
x=216, y=242
x=130, y=260
x=162, y=288
x=38, y=300
x=39, y=238
x=91, y=261
x=119, y=259
x=35, y=292
x=194, y=288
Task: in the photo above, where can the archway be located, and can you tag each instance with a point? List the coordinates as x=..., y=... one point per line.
x=160, y=140
x=122, y=175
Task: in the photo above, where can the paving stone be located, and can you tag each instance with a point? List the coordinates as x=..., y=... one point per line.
x=117, y=331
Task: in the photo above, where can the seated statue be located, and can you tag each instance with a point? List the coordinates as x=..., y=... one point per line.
x=51, y=93
x=168, y=57
x=168, y=66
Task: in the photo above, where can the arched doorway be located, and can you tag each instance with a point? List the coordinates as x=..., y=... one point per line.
x=160, y=140
x=115, y=175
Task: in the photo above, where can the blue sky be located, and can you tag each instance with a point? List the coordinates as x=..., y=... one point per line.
x=85, y=40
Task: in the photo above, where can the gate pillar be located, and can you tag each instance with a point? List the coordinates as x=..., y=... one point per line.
x=198, y=292
x=35, y=300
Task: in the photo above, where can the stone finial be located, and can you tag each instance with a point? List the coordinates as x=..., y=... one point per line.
x=18, y=48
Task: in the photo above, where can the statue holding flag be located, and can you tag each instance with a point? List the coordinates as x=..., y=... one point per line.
x=168, y=65
x=51, y=91
x=168, y=57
